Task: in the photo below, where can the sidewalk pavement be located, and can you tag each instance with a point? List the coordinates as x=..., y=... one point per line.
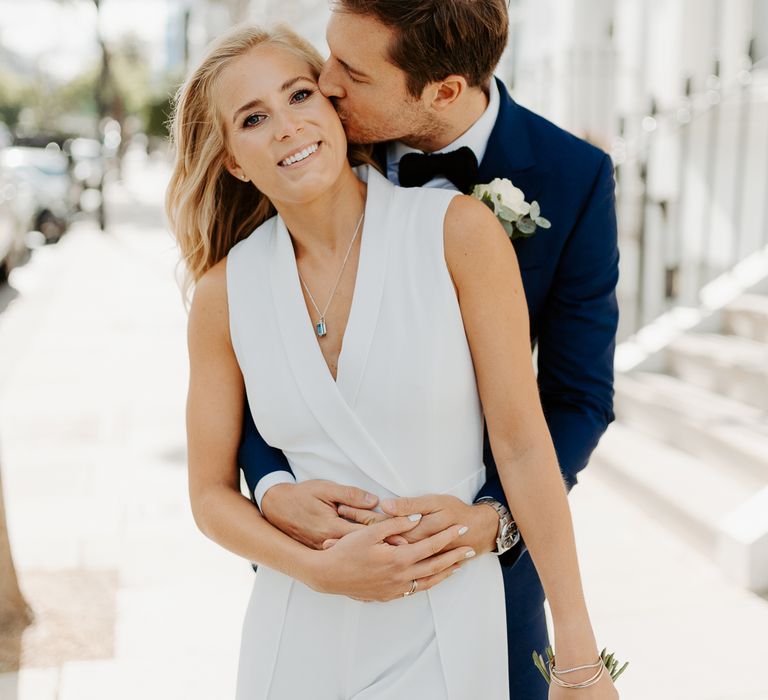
x=134, y=602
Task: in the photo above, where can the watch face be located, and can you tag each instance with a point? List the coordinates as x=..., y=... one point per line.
x=509, y=535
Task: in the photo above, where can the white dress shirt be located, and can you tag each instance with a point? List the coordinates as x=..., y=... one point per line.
x=476, y=138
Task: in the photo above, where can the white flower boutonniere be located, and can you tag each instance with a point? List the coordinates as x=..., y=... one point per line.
x=519, y=219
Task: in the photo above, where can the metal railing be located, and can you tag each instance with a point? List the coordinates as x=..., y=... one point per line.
x=692, y=192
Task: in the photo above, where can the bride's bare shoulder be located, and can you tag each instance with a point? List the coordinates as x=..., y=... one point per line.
x=209, y=300
x=472, y=233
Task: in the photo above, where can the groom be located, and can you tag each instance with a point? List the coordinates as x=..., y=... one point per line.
x=418, y=75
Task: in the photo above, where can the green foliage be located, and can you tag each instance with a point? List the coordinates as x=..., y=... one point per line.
x=156, y=115
x=130, y=75
x=78, y=95
x=14, y=96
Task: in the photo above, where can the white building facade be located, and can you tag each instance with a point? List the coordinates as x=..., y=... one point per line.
x=677, y=91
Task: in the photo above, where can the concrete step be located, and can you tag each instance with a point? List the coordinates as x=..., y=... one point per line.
x=719, y=512
x=717, y=429
x=747, y=317
x=728, y=365
x=690, y=493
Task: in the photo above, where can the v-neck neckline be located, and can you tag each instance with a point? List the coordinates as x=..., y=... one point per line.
x=355, y=296
x=355, y=338
x=333, y=403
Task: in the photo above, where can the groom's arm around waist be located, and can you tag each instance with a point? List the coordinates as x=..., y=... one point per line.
x=576, y=340
x=262, y=464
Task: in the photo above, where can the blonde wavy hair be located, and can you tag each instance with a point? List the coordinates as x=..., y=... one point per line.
x=209, y=210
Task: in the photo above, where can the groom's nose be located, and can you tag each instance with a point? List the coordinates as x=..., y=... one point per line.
x=329, y=81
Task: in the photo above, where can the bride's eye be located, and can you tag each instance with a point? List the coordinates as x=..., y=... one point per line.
x=302, y=95
x=251, y=120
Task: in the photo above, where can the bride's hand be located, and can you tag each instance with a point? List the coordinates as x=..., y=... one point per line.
x=363, y=566
x=439, y=511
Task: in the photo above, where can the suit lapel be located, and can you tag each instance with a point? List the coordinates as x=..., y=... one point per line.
x=510, y=153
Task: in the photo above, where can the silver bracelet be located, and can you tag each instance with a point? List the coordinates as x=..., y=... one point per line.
x=584, y=684
x=554, y=669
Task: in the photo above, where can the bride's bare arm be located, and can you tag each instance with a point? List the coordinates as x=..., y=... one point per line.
x=361, y=565
x=484, y=269
x=214, y=418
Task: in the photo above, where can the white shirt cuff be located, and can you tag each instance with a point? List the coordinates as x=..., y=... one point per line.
x=270, y=480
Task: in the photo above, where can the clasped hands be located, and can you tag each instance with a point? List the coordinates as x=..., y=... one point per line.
x=370, y=555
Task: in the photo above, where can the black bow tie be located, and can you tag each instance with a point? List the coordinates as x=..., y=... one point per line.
x=459, y=166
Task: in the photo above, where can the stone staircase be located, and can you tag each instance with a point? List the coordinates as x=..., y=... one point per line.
x=690, y=443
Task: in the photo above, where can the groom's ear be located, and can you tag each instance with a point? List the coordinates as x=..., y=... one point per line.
x=445, y=93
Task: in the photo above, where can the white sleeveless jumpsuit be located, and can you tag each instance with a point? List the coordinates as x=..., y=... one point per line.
x=402, y=419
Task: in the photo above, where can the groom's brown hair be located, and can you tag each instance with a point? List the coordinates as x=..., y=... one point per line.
x=438, y=38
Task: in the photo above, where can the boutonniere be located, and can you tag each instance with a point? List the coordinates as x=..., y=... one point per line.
x=519, y=218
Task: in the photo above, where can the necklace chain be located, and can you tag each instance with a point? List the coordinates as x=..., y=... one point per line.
x=320, y=327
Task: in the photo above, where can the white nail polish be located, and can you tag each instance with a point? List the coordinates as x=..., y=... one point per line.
x=415, y=517
x=470, y=554
x=463, y=530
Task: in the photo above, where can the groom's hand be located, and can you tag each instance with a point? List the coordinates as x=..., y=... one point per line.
x=438, y=513
x=307, y=511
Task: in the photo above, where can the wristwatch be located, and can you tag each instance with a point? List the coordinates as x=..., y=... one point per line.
x=508, y=535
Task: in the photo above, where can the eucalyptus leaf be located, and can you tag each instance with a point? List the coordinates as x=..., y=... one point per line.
x=621, y=670
x=526, y=227
x=509, y=228
x=550, y=655
x=539, y=663
x=507, y=214
x=535, y=210
x=541, y=221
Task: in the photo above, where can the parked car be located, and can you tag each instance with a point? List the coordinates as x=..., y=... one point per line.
x=12, y=233
x=44, y=173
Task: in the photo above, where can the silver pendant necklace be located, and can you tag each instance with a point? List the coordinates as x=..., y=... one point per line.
x=320, y=327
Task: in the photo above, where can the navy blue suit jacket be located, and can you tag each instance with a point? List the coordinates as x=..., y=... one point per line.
x=569, y=273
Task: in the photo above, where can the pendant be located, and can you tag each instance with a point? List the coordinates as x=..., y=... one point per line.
x=320, y=328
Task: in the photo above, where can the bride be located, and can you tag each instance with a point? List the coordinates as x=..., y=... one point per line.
x=374, y=329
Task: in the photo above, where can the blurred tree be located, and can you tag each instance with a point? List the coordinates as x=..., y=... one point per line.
x=109, y=101
x=14, y=95
x=76, y=96
x=15, y=614
x=130, y=71
x=157, y=113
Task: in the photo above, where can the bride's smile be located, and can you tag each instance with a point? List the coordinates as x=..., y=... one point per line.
x=300, y=156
